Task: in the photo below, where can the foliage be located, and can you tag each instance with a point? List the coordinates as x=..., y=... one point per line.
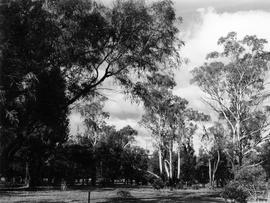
x=234, y=81
x=252, y=179
x=123, y=194
x=265, y=157
x=33, y=117
x=131, y=42
x=234, y=190
x=188, y=163
x=202, y=175
x=158, y=183
x=171, y=122
x=224, y=172
x=56, y=53
x=247, y=182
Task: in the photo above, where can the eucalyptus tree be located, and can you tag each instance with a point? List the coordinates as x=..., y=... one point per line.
x=33, y=119
x=174, y=119
x=85, y=43
x=94, y=118
x=155, y=94
x=187, y=124
x=213, y=143
x=128, y=42
x=154, y=120
x=95, y=125
x=171, y=122
x=234, y=82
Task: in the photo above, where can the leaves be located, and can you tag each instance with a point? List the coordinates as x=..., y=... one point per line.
x=234, y=81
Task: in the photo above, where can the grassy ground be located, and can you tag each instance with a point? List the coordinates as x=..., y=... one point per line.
x=112, y=195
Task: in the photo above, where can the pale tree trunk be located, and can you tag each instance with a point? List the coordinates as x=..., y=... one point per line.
x=166, y=169
x=27, y=175
x=178, y=163
x=210, y=171
x=159, y=151
x=215, y=169
x=238, y=141
x=170, y=160
x=160, y=161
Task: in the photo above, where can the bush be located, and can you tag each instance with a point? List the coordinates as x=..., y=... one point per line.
x=158, y=184
x=124, y=194
x=253, y=179
x=195, y=187
x=252, y=176
x=180, y=186
x=234, y=190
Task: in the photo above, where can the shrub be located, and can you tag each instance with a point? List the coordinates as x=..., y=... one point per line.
x=124, y=194
x=195, y=187
x=158, y=184
x=253, y=179
x=234, y=190
x=179, y=185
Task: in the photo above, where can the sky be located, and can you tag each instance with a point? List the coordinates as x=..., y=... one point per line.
x=204, y=22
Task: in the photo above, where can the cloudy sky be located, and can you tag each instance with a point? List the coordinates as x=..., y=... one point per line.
x=204, y=21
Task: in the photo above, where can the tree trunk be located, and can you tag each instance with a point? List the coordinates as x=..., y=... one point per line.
x=166, y=169
x=27, y=175
x=170, y=160
x=215, y=169
x=159, y=152
x=178, y=163
x=160, y=161
x=268, y=190
x=238, y=142
x=94, y=174
x=210, y=171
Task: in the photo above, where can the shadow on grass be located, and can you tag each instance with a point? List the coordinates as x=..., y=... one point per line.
x=183, y=198
x=164, y=199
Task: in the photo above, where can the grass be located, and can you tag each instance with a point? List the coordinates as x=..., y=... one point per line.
x=111, y=195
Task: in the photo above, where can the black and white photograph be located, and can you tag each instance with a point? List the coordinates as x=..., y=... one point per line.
x=134, y=101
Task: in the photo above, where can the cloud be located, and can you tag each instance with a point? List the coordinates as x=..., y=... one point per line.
x=209, y=28
x=122, y=109
x=213, y=25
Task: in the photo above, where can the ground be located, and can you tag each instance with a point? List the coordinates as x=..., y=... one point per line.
x=111, y=195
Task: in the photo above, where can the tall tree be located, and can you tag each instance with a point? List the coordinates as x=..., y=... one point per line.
x=32, y=118
x=213, y=143
x=83, y=43
x=131, y=42
x=170, y=121
x=188, y=163
x=234, y=82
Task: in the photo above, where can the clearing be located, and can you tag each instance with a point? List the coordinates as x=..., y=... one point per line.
x=143, y=194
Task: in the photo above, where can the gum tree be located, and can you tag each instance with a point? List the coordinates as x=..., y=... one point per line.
x=234, y=83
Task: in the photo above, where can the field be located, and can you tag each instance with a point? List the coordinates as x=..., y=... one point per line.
x=111, y=195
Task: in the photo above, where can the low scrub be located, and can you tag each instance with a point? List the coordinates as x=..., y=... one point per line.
x=235, y=191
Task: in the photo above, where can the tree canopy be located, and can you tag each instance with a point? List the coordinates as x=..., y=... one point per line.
x=234, y=82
